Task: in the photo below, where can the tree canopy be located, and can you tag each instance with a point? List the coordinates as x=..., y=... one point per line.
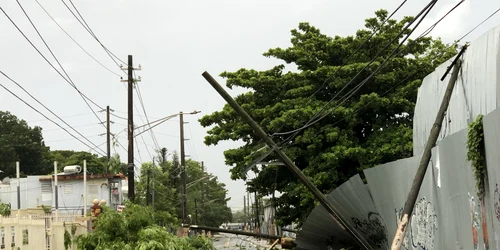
x=134, y=228
x=20, y=142
x=371, y=127
x=167, y=190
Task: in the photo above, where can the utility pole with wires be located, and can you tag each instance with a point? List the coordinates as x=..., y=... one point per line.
x=427, y=153
x=244, y=212
x=108, y=134
x=203, y=193
x=130, y=88
x=183, y=171
x=153, y=195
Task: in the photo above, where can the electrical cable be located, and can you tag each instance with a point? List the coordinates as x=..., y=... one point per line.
x=89, y=30
x=353, y=54
x=139, y=95
x=314, y=119
x=494, y=13
x=85, y=98
x=78, y=44
x=414, y=73
x=36, y=110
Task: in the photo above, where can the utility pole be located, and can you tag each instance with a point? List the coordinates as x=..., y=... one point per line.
x=343, y=222
x=183, y=169
x=202, y=193
x=244, y=212
x=196, y=212
x=426, y=155
x=147, y=189
x=108, y=138
x=153, y=202
x=108, y=134
x=18, y=175
x=130, y=87
x=56, y=196
x=257, y=219
x=248, y=210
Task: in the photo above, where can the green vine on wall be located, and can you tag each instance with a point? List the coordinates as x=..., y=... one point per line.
x=476, y=153
x=69, y=239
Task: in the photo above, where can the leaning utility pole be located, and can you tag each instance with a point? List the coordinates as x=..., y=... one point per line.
x=427, y=153
x=130, y=88
x=344, y=223
x=183, y=170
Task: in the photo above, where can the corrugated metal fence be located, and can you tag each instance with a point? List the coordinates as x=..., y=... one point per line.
x=448, y=213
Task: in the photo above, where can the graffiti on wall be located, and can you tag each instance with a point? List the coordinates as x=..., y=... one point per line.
x=422, y=228
x=478, y=220
x=374, y=229
x=496, y=203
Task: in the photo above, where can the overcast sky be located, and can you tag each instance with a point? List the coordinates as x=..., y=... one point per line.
x=174, y=41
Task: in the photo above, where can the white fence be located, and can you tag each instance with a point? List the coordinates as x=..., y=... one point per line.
x=38, y=231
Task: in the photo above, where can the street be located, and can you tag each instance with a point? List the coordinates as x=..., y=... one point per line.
x=237, y=242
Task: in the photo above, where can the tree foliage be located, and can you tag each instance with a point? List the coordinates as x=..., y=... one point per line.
x=95, y=164
x=20, y=142
x=476, y=153
x=134, y=228
x=373, y=126
x=167, y=190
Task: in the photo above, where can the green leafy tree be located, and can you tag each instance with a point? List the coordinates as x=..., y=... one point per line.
x=373, y=126
x=167, y=189
x=238, y=217
x=95, y=164
x=20, y=142
x=134, y=228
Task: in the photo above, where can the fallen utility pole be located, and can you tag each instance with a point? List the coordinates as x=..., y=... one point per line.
x=426, y=156
x=289, y=163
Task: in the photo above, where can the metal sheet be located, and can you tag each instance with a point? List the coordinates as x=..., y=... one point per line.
x=476, y=91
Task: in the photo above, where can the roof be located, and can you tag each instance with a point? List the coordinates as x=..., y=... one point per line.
x=80, y=176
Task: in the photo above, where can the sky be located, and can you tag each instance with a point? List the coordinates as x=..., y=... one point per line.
x=174, y=42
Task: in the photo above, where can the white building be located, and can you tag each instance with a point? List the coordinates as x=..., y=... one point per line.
x=38, y=191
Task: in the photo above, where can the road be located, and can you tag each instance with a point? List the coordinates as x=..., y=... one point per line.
x=239, y=242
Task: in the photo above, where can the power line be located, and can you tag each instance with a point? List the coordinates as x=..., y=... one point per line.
x=494, y=13
x=85, y=98
x=155, y=141
x=68, y=116
x=315, y=118
x=414, y=73
x=81, y=47
x=12, y=93
x=352, y=55
x=89, y=30
x=80, y=126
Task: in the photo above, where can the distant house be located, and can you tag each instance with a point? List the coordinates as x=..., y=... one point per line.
x=36, y=191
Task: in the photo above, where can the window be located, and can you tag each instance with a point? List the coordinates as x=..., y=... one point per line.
x=46, y=191
x=68, y=188
x=2, y=238
x=25, y=237
x=13, y=234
